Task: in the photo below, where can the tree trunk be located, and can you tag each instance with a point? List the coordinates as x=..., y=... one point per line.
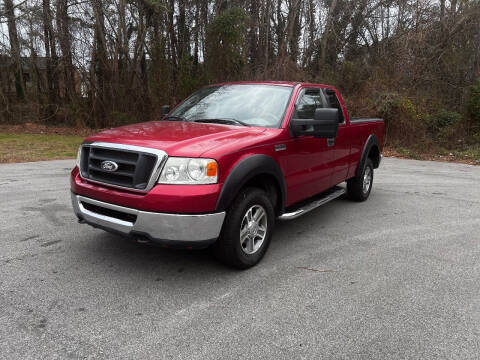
x=280, y=30
x=99, y=62
x=252, y=35
x=121, y=57
x=35, y=77
x=196, y=35
x=204, y=17
x=311, y=27
x=51, y=60
x=293, y=29
x=453, y=6
x=267, y=37
x=15, y=49
x=326, y=33
x=65, y=43
x=173, y=39
x=183, y=36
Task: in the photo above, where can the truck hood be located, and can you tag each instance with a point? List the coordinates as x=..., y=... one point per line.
x=178, y=138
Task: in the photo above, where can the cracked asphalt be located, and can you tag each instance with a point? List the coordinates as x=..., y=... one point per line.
x=395, y=277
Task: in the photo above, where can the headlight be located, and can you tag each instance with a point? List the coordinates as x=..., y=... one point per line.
x=180, y=170
x=79, y=156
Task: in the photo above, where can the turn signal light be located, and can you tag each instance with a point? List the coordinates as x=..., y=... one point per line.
x=212, y=168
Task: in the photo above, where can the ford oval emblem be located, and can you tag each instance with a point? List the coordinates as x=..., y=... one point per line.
x=109, y=165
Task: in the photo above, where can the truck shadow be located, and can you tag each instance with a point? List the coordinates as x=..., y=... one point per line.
x=116, y=252
x=113, y=252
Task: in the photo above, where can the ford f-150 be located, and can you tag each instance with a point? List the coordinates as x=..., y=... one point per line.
x=224, y=165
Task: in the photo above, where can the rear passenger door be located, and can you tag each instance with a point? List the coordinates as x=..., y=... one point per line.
x=340, y=147
x=309, y=159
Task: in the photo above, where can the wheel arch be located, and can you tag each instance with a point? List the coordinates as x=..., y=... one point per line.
x=371, y=150
x=257, y=171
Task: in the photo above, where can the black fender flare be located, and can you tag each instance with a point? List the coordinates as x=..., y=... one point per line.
x=371, y=142
x=245, y=170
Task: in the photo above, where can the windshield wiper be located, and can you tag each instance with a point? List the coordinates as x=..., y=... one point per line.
x=175, y=118
x=226, y=121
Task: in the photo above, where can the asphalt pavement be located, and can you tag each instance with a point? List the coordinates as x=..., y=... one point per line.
x=395, y=277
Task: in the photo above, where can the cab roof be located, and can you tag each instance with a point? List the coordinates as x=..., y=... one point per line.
x=269, y=82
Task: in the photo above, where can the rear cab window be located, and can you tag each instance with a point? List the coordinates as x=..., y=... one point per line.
x=333, y=102
x=308, y=100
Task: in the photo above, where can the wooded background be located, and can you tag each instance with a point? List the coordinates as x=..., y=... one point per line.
x=104, y=63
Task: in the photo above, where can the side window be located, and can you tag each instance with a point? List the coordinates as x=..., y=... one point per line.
x=334, y=103
x=308, y=101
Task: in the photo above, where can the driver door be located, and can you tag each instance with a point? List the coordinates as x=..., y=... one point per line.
x=309, y=162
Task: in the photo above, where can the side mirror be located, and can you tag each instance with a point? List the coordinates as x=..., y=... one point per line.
x=165, y=109
x=323, y=125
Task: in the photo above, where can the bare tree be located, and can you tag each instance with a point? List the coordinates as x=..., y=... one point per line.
x=51, y=60
x=15, y=48
x=63, y=32
x=117, y=61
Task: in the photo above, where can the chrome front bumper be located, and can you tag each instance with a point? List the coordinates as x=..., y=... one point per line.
x=168, y=229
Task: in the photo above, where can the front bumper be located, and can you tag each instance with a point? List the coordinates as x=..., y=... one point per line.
x=175, y=230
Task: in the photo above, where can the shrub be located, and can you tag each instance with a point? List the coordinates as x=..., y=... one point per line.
x=386, y=104
x=404, y=124
x=473, y=102
x=442, y=120
x=445, y=127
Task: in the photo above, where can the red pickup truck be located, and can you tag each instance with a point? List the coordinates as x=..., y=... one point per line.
x=227, y=162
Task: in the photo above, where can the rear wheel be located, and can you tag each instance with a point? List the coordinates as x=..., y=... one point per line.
x=359, y=187
x=247, y=230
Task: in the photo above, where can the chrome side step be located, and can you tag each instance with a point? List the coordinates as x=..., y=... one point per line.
x=337, y=192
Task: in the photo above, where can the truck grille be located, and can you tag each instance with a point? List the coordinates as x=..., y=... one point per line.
x=131, y=167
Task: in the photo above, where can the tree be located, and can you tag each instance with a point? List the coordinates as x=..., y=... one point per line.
x=99, y=78
x=63, y=31
x=15, y=48
x=226, y=52
x=111, y=62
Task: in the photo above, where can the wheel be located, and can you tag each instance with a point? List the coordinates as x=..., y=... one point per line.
x=247, y=230
x=359, y=187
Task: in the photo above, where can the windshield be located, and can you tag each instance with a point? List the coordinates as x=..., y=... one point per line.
x=251, y=105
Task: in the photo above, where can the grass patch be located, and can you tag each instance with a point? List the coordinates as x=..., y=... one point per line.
x=472, y=153
x=22, y=147
x=468, y=155
x=35, y=147
x=409, y=153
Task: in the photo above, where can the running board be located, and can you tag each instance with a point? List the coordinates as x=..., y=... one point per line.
x=337, y=192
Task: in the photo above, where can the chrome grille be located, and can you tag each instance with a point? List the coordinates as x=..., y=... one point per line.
x=137, y=168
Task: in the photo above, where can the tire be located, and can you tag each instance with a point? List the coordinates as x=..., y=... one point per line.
x=359, y=187
x=251, y=216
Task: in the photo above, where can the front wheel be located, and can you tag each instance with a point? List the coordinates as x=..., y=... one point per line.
x=359, y=187
x=247, y=230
